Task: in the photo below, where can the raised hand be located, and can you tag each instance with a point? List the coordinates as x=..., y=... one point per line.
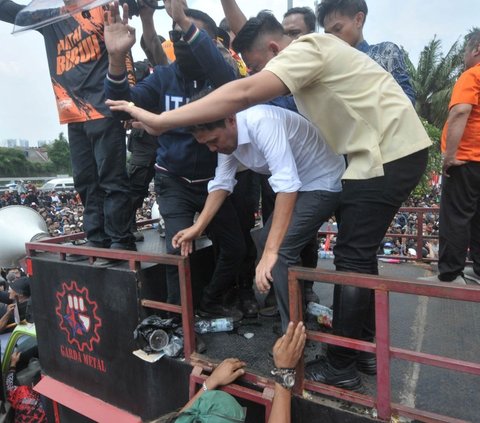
x=119, y=36
x=289, y=348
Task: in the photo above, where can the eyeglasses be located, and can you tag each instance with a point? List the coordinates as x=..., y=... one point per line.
x=175, y=35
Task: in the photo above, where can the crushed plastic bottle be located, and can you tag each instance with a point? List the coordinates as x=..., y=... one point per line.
x=323, y=313
x=224, y=324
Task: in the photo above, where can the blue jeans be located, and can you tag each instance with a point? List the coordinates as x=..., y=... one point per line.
x=98, y=153
x=178, y=201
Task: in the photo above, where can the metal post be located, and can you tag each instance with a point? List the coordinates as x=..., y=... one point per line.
x=289, y=4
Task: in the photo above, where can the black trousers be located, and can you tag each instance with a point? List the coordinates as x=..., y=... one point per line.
x=459, y=220
x=178, y=202
x=367, y=208
x=98, y=153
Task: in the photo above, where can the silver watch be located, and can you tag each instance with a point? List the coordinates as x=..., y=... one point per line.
x=285, y=377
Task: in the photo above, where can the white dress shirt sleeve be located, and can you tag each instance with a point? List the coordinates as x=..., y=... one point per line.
x=227, y=165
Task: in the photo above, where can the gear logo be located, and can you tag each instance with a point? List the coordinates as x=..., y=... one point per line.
x=78, y=316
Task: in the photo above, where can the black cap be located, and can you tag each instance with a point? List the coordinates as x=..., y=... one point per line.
x=21, y=286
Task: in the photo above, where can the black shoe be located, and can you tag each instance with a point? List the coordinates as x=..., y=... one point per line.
x=310, y=296
x=249, y=307
x=269, y=311
x=105, y=262
x=80, y=257
x=322, y=371
x=127, y=246
x=139, y=237
x=200, y=346
x=367, y=363
x=215, y=311
x=271, y=299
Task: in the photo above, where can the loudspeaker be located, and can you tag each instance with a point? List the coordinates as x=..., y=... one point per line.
x=18, y=225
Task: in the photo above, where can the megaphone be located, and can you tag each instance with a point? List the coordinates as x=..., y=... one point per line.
x=18, y=225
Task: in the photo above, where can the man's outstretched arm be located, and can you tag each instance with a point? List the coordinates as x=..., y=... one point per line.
x=224, y=101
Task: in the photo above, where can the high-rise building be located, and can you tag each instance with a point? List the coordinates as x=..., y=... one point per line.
x=11, y=143
x=24, y=143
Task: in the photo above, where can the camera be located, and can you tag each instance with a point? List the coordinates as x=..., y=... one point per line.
x=134, y=6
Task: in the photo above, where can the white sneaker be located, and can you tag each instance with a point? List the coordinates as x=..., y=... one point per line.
x=459, y=280
x=470, y=275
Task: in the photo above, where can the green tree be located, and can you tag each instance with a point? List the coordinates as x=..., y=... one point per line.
x=59, y=155
x=433, y=79
x=434, y=165
x=13, y=162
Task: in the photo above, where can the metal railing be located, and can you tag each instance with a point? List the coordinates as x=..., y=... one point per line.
x=418, y=236
x=383, y=286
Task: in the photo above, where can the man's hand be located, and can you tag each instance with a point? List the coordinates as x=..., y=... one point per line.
x=145, y=12
x=226, y=372
x=14, y=359
x=143, y=119
x=119, y=36
x=178, y=14
x=171, y=8
x=184, y=240
x=263, y=272
x=289, y=348
x=449, y=162
x=10, y=308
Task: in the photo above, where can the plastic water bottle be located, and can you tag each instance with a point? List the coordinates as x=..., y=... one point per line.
x=323, y=313
x=224, y=324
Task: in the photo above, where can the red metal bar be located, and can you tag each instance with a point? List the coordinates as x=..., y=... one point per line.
x=426, y=416
x=162, y=306
x=91, y=407
x=384, y=351
x=382, y=335
x=186, y=301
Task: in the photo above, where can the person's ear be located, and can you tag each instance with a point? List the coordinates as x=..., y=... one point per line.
x=231, y=121
x=359, y=19
x=274, y=47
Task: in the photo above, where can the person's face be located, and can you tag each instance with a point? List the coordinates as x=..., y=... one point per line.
x=220, y=140
x=294, y=26
x=348, y=29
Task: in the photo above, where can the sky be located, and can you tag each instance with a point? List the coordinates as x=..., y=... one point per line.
x=28, y=110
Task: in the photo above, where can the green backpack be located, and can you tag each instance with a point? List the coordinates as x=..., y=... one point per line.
x=213, y=407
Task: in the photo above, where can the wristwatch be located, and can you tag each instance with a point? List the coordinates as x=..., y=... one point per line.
x=285, y=377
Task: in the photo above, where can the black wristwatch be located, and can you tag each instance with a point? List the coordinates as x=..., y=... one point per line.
x=285, y=377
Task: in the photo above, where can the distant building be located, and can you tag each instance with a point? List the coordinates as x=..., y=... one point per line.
x=11, y=143
x=24, y=143
x=41, y=143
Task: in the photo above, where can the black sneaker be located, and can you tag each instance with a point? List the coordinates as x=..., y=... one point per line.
x=216, y=311
x=367, y=363
x=80, y=257
x=249, y=307
x=322, y=371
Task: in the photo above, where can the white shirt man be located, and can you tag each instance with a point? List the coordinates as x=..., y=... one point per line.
x=305, y=175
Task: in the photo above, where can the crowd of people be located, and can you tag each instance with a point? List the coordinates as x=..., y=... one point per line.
x=327, y=127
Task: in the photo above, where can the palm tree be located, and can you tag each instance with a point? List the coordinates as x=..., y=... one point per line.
x=433, y=79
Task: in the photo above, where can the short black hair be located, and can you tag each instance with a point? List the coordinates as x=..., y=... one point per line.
x=224, y=25
x=210, y=25
x=209, y=125
x=264, y=23
x=345, y=7
x=308, y=16
x=472, y=39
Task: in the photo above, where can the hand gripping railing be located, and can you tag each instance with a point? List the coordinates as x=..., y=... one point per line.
x=384, y=351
